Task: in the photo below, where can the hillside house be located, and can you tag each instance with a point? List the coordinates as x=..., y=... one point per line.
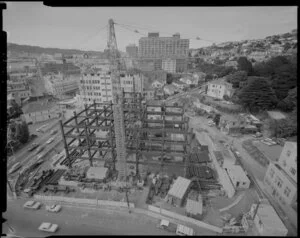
x=219, y=88
x=170, y=89
x=189, y=80
x=157, y=84
x=231, y=63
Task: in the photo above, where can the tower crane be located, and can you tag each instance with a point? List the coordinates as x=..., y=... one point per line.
x=118, y=113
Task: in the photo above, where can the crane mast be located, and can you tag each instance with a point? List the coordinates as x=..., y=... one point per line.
x=117, y=92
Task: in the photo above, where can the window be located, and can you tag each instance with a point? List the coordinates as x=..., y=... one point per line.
x=287, y=192
x=293, y=171
x=288, y=153
x=284, y=163
x=272, y=173
x=279, y=182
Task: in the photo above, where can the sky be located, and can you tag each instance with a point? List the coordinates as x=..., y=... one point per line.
x=32, y=23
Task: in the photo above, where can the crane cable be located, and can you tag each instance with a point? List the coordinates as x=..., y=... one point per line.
x=90, y=37
x=168, y=33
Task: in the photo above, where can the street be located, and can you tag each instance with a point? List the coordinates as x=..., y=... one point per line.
x=24, y=155
x=78, y=221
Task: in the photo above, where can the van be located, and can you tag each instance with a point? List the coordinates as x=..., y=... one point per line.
x=184, y=231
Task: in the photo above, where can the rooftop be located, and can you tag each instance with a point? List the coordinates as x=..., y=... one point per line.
x=269, y=217
x=38, y=106
x=194, y=207
x=221, y=81
x=237, y=171
x=179, y=187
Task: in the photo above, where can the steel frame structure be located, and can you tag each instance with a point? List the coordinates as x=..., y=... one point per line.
x=140, y=132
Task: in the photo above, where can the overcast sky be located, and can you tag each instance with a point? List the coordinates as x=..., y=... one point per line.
x=32, y=23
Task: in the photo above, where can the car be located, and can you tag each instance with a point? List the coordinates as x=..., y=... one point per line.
x=52, y=132
x=32, y=205
x=53, y=208
x=14, y=168
x=48, y=227
x=50, y=140
x=39, y=150
x=33, y=146
x=39, y=156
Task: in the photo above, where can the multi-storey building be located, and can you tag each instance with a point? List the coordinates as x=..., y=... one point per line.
x=98, y=86
x=59, y=85
x=65, y=68
x=155, y=48
x=132, y=50
x=219, y=88
x=19, y=89
x=169, y=65
x=281, y=178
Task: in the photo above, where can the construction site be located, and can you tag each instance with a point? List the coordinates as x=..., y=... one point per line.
x=139, y=152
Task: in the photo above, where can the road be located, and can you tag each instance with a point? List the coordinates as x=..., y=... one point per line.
x=78, y=221
x=24, y=155
x=254, y=169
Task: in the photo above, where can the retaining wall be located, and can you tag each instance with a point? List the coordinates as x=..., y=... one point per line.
x=93, y=202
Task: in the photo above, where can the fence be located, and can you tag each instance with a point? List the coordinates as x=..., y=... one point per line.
x=184, y=218
x=85, y=201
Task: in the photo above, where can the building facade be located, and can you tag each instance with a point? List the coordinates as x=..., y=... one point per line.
x=59, y=86
x=98, y=86
x=219, y=88
x=19, y=90
x=132, y=50
x=281, y=178
x=169, y=65
x=40, y=111
x=156, y=48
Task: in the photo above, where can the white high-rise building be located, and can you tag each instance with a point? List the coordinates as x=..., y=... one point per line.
x=98, y=86
x=169, y=65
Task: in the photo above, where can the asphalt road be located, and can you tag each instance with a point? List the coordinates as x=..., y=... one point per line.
x=24, y=155
x=77, y=221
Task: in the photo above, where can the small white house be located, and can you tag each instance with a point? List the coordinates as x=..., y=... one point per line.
x=219, y=88
x=237, y=176
x=157, y=84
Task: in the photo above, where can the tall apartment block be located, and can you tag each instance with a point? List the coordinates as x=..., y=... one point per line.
x=98, y=86
x=281, y=178
x=132, y=50
x=156, y=49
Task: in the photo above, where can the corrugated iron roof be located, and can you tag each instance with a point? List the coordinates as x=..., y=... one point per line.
x=194, y=207
x=179, y=187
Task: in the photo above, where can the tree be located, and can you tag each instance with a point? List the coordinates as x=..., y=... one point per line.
x=257, y=95
x=23, y=133
x=290, y=102
x=283, y=128
x=236, y=78
x=15, y=110
x=245, y=65
x=208, y=77
x=226, y=97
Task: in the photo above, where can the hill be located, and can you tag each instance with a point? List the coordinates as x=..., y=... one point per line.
x=40, y=50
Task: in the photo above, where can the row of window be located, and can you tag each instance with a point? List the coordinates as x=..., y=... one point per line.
x=278, y=182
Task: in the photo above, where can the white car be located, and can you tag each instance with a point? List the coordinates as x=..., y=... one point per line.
x=53, y=208
x=32, y=205
x=48, y=227
x=50, y=140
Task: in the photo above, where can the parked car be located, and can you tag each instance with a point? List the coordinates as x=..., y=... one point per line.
x=52, y=132
x=14, y=168
x=33, y=146
x=53, y=208
x=50, y=140
x=39, y=150
x=32, y=205
x=48, y=227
